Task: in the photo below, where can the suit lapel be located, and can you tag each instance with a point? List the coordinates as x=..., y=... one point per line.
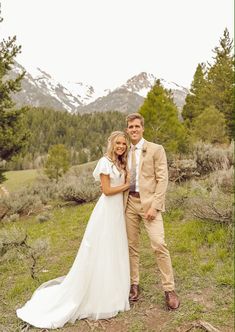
x=142, y=154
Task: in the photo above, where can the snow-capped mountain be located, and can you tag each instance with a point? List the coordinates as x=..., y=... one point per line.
x=142, y=83
x=130, y=96
x=39, y=89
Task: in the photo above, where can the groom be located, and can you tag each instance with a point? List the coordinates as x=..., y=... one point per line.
x=145, y=201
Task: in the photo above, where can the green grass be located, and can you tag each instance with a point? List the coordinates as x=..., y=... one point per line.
x=18, y=179
x=201, y=255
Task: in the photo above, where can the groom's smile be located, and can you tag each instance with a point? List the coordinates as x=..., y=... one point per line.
x=135, y=131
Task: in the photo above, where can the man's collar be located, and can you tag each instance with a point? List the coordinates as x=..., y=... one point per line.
x=139, y=145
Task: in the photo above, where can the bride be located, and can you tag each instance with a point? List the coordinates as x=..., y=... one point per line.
x=97, y=285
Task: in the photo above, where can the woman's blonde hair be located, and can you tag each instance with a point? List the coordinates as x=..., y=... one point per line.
x=119, y=161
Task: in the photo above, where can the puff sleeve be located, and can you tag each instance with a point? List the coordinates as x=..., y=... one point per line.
x=103, y=167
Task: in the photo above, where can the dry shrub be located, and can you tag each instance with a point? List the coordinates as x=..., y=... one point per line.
x=44, y=217
x=183, y=169
x=11, y=239
x=214, y=197
x=14, y=244
x=208, y=199
x=45, y=189
x=177, y=196
x=22, y=202
x=28, y=200
x=204, y=159
x=80, y=188
x=223, y=179
x=210, y=158
x=14, y=217
x=76, y=186
x=215, y=206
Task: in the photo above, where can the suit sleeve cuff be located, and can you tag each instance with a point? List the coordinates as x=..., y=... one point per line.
x=158, y=207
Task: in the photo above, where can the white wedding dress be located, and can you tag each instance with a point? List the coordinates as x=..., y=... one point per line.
x=97, y=285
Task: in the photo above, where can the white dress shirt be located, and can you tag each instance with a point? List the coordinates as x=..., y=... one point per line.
x=138, y=150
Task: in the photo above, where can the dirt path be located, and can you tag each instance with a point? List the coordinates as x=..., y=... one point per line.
x=141, y=318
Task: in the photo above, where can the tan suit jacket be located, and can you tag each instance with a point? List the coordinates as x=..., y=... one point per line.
x=153, y=177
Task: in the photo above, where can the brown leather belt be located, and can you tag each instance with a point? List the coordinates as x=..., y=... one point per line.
x=134, y=194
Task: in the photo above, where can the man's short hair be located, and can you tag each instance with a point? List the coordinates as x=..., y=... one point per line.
x=134, y=116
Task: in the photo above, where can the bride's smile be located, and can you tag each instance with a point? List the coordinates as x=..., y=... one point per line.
x=120, y=146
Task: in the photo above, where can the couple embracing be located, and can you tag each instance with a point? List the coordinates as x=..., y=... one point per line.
x=104, y=277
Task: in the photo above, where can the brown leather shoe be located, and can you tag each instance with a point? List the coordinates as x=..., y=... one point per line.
x=134, y=293
x=172, y=300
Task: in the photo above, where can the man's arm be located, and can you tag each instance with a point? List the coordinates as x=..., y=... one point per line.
x=161, y=176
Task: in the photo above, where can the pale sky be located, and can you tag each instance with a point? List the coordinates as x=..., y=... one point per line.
x=105, y=42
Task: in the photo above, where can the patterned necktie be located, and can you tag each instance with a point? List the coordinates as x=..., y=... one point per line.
x=133, y=170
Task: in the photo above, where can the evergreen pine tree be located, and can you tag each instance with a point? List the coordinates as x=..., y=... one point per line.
x=162, y=125
x=220, y=80
x=196, y=101
x=210, y=126
x=58, y=161
x=13, y=135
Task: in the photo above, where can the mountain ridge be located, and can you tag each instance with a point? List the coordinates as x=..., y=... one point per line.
x=40, y=89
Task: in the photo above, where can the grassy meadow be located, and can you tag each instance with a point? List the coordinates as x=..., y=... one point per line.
x=202, y=263
x=17, y=179
x=202, y=257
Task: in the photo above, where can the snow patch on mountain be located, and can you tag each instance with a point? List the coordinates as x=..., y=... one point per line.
x=49, y=85
x=142, y=84
x=84, y=92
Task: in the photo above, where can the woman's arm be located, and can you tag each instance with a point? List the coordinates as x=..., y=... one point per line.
x=108, y=190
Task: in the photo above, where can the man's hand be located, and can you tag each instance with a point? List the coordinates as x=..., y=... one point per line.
x=151, y=214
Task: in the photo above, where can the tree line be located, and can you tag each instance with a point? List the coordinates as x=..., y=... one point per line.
x=84, y=136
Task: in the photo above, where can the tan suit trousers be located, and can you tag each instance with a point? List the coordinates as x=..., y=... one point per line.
x=155, y=229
